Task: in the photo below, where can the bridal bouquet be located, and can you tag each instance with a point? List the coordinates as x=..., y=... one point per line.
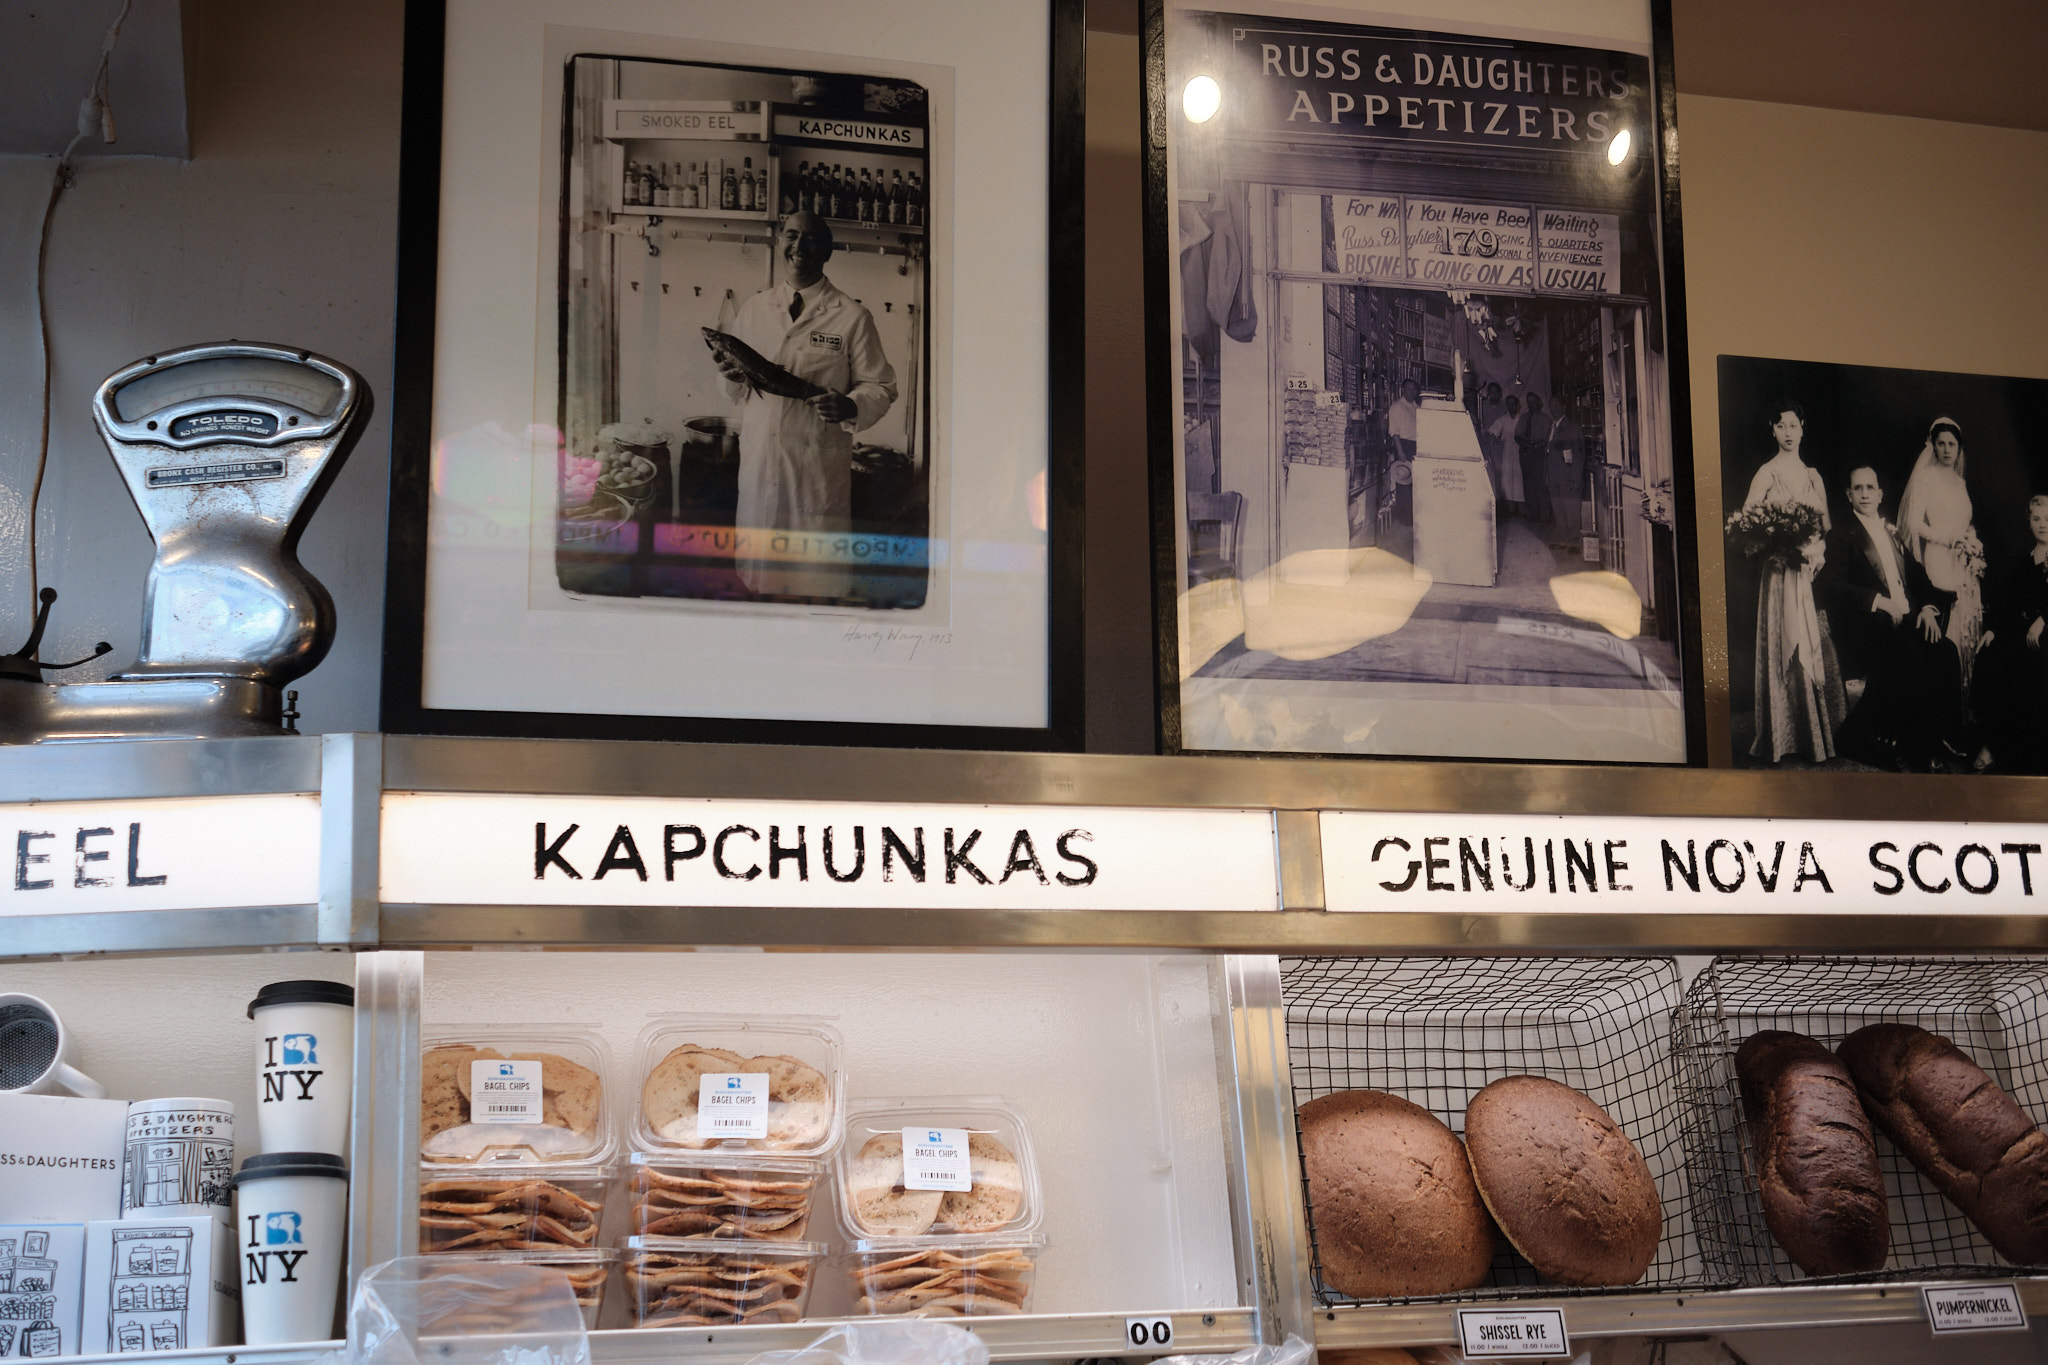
x=1970, y=551
x=1777, y=533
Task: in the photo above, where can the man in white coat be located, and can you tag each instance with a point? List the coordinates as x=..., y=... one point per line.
x=796, y=455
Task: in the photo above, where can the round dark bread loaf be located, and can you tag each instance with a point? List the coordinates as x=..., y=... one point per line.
x=1567, y=1187
x=1964, y=1133
x=1396, y=1212
x=1816, y=1161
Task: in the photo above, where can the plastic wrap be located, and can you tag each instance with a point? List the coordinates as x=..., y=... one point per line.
x=456, y=1311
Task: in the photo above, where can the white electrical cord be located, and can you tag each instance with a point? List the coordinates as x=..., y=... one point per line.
x=94, y=114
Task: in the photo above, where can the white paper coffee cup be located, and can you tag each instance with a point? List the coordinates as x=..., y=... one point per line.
x=291, y=1227
x=180, y=1158
x=305, y=1048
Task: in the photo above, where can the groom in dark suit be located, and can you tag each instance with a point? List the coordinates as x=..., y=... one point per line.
x=1887, y=621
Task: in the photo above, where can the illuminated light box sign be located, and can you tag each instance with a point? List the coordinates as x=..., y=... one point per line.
x=459, y=849
x=199, y=853
x=1581, y=864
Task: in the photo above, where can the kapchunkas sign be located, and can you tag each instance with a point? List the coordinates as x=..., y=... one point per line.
x=447, y=848
x=1626, y=864
x=194, y=853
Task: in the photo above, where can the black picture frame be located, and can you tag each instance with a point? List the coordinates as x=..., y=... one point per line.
x=405, y=610
x=1164, y=379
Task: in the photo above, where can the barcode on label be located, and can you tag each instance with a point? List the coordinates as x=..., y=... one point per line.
x=505, y=1108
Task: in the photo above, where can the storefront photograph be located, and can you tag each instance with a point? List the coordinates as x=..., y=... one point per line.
x=1426, y=465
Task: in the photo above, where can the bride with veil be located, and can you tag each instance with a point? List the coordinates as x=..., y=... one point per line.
x=1937, y=523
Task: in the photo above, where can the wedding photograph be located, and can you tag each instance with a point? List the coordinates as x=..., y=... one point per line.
x=1887, y=567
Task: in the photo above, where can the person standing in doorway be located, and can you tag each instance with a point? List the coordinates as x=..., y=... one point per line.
x=1401, y=419
x=796, y=455
x=1532, y=443
x=1565, y=463
x=1512, y=489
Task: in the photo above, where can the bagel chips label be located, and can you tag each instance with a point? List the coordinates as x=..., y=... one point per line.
x=505, y=1091
x=732, y=1104
x=936, y=1159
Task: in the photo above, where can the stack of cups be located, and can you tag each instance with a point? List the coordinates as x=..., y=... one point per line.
x=292, y=1201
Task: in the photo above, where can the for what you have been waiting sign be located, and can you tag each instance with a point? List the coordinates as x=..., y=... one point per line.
x=1590, y=864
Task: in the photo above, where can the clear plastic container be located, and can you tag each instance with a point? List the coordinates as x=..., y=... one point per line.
x=715, y=1195
x=695, y=1282
x=574, y=1124
x=875, y=1201
x=805, y=1098
x=934, y=1277
x=464, y=1209
x=589, y=1271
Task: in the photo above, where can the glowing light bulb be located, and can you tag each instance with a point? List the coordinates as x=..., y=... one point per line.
x=1201, y=99
x=1617, y=150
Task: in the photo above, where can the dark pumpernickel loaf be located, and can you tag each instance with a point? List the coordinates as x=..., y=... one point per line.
x=1964, y=1133
x=1567, y=1187
x=1396, y=1212
x=1816, y=1160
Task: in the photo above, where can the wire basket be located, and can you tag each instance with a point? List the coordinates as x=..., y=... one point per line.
x=1435, y=1031
x=1994, y=1009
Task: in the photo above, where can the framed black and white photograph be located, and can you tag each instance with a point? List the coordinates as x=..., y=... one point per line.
x=738, y=373
x=1887, y=567
x=1420, y=474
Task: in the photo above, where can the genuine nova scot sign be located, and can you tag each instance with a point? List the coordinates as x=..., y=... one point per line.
x=1590, y=864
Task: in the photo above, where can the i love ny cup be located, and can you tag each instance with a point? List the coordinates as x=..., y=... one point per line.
x=305, y=1049
x=291, y=1224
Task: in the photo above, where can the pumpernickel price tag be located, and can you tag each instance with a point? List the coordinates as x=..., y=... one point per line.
x=936, y=1159
x=505, y=1092
x=1956, y=1308
x=732, y=1104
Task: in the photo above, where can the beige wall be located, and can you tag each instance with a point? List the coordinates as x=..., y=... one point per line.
x=1861, y=239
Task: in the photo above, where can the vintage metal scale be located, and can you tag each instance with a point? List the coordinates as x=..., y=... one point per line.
x=226, y=449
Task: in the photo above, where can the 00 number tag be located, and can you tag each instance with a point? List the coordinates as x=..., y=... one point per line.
x=1148, y=1332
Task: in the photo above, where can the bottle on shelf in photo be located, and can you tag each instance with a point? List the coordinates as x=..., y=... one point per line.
x=690, y=199
x=631, y=194
x=666, y=195
x=913, y=202
x=750, y=195
x=729, y=191
x=793, y=189
x=866, y=196
x=704, y=190
x=835, y=192
x=895, y=203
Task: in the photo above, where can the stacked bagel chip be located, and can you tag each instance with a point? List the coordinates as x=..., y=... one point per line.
x=962, y=1280
x=700, y=1197
x=951, y=1231
x=701, y=1282
x=470, y=1211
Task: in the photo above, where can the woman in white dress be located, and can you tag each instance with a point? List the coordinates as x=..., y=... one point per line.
x=1799, y=699
x=1936, y=522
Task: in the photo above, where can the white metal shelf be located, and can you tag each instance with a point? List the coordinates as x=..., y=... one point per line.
x=352, y=771
x=1669, y=1313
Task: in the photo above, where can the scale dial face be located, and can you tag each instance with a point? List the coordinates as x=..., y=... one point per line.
x=237, y=393
x=311, y=391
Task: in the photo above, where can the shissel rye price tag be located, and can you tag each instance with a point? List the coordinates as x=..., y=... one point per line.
x=1953, y=1309
x=505, y=1091
x=732, y=1104
x=1521, y=1334
x=936, y=1159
